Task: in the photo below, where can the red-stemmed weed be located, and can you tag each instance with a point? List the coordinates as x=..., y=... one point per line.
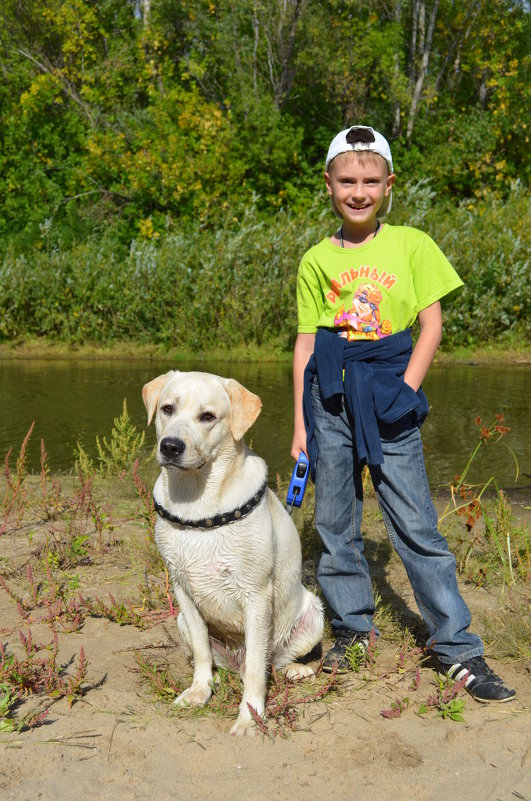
x=35, y=674
x=15, y=495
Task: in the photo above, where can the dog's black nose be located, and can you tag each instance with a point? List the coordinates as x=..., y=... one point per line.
x=171, y=447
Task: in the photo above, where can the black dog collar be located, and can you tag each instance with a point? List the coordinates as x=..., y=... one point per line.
x=217, y=520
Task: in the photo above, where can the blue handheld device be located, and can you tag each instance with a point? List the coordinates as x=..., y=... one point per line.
x=298, y=482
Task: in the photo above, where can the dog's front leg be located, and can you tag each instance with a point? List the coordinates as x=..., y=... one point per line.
x=201, y=688
x=257, y=622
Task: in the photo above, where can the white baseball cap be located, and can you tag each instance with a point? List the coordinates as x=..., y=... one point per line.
x=362, y=137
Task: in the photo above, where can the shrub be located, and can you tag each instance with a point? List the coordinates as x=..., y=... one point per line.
x=199, y=288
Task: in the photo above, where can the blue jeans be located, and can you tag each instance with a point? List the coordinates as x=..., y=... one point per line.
x=410, y=518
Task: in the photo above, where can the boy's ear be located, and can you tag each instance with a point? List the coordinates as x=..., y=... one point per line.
x=151, y=392
x=328, y=183
x=390, y=181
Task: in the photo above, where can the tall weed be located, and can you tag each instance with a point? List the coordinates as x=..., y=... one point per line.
x=498, y=544
x=115, y=454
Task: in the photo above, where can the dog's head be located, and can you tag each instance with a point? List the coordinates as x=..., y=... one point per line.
x=197, y=415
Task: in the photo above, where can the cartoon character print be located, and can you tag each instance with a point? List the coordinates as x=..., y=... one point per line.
x=363, y=317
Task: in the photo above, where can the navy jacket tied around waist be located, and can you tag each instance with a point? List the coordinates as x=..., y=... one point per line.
x=373, y=387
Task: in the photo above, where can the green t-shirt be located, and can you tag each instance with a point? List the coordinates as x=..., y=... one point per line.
x=375, y=290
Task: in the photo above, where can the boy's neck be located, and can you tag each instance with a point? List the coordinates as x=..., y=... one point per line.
x=348, y=237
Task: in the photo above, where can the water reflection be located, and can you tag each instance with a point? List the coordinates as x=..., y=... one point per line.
x=72, y=401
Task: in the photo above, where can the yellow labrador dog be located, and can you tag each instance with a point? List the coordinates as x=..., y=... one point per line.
x=231, y=549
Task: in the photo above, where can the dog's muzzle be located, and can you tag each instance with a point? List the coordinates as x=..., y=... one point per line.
x=171, y=448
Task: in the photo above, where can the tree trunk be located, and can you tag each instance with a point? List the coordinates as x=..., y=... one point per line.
x=426, y=53
x=454, y=51
x=146, y=12
x=397, y=123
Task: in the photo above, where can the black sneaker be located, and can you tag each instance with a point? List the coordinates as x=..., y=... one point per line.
x=348, y=647
x=482, y=683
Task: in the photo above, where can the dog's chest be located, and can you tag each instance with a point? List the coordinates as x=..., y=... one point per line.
x=208, y=566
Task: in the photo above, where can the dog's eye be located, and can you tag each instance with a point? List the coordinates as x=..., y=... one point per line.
x=207, y=417
x=167, y=408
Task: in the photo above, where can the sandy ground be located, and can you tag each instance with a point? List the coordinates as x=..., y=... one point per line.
x=119, y=743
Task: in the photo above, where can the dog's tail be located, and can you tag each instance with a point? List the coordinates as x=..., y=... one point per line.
x=226, y=657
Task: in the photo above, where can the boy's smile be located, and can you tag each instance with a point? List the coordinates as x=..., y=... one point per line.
x=357, y=189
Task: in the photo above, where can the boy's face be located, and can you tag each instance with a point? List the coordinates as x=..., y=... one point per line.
x=357, y=185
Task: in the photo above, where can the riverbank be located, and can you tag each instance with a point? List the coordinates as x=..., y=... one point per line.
x=97, y=588
x=128, y=351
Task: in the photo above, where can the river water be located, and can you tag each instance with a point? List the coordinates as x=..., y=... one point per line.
x=73, y=401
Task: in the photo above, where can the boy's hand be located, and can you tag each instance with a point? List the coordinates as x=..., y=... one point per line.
x=430, y=321
x=299, y=443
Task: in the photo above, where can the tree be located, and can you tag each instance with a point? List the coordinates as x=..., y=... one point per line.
x=118, y=112
x=422, y=29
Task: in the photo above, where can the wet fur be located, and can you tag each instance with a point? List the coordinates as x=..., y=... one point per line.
x=238, y=586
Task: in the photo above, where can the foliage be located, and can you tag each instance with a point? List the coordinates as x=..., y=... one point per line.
x=236, y=285
x=40, y=675
x=161, y=162
x=143, y=122
x=15, y=492
x=361, y=656
x=488, y=243
x=116, y=454
x=444, y=702
x=498, y=545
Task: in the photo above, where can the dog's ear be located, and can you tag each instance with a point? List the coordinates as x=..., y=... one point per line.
x=151, y=392
x=245, y=407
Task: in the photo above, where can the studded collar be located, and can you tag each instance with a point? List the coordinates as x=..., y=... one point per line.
x=216, y=520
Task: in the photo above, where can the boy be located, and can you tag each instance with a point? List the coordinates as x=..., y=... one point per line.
x=358, y=400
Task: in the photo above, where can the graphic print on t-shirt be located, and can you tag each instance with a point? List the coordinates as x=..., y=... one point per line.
x=362, y=320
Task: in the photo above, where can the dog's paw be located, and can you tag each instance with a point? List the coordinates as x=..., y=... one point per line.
x=296, y=671
x=244, y=727
x=195, y=695
x=251, y=720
